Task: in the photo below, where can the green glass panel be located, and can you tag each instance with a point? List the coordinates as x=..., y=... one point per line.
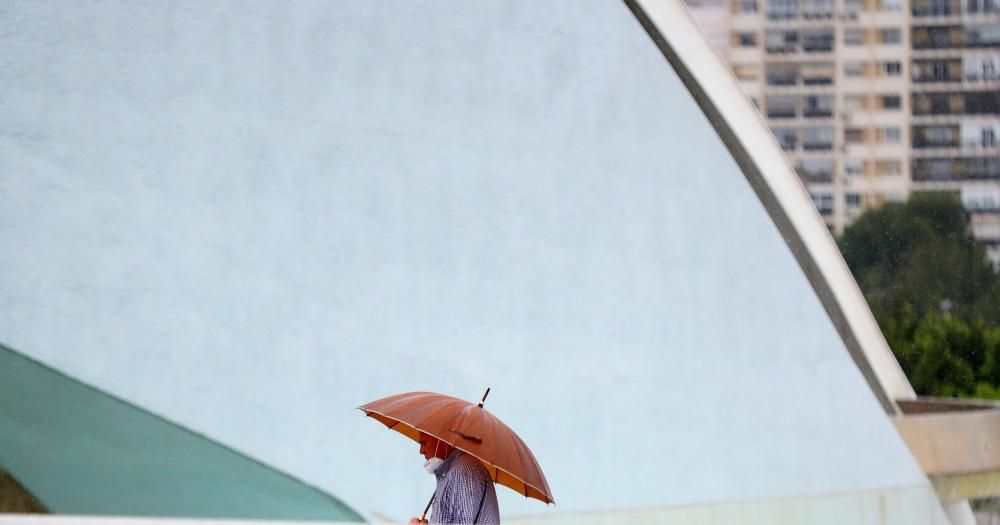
x=82, y=451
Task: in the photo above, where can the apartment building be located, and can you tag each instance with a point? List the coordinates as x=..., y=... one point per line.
x=873, y=99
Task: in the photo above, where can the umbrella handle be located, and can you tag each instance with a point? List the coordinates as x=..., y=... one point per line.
x=428, y=507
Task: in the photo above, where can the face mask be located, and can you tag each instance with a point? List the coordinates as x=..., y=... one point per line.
x=432, y=464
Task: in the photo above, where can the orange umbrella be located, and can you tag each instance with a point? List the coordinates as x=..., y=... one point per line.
x=469, y=428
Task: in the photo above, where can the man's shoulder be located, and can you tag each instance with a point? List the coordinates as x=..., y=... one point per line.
x=468, y=464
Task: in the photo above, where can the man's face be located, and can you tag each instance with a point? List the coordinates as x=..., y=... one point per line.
x=428, y=445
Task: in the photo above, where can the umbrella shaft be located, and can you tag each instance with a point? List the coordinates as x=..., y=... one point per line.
x=428, y=507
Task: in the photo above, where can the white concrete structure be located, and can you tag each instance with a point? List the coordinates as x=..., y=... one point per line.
x=251, y=218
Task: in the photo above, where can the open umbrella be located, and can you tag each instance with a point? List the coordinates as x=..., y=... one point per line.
x=467, y=427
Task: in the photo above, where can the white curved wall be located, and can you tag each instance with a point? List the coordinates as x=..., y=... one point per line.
x=253, y=217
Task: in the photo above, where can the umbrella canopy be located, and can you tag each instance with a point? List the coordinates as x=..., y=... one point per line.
x=469, y=428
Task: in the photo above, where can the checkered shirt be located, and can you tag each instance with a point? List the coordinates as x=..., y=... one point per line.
x=461, y=482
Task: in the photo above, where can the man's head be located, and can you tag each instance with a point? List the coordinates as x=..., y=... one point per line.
x=432, y=447
x=434, y=451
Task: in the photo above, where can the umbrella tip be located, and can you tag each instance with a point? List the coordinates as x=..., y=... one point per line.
x=483, y=401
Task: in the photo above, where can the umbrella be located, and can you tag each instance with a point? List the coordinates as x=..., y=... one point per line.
x=467, y=427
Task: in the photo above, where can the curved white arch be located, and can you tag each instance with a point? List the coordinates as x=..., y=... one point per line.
x=749, y=140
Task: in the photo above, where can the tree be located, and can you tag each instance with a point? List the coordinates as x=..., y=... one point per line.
x=922, y=253
x=933, y=292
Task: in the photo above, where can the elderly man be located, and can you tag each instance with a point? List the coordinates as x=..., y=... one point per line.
x=465, y=492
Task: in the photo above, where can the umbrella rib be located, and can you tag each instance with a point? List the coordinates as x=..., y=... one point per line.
x=520, y=457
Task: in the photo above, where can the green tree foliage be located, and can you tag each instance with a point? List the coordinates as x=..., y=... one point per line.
x=933, y=292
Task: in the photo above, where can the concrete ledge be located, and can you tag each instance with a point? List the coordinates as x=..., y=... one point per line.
x=967, y=486
x=959, y=441
x=909, y=505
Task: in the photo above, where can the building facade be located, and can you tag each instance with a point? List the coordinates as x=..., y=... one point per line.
x=873, y=99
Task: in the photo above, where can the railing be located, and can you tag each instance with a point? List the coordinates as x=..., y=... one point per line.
x=782, y=80
x=780, y=113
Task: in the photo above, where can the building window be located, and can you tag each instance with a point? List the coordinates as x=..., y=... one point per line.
x=853, y=167
x=943, y=37
x=892, y=69
x=746, y=72
x=777, y=41
x=989, y=69
x=853, y=200
x=889, y=135
x=935, y=136
x=746, y=6
x=854, y=136
x=817, y=138
x=989, y=138
x=890, y=35
x=853, y=103
x=787, y=137
x=747, y=39
x=980, y=103
x=983, y=6
x=823, y=202
x=890, y=168
x=982, y=168
x=890, y=101
x=815, y=171
x=817, y=40
x=782, y=9
x=933, y=7
x=935, y=169
x=782, y=74
x=937, y=70
x=817, y=8
x=854, y=37
x=817, y=106
x=818, y=73
x=983, y=36
x=781, y=106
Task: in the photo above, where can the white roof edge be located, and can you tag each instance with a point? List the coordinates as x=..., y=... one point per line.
x=730, y=111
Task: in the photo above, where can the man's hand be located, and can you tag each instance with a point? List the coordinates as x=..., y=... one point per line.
x=417, y=521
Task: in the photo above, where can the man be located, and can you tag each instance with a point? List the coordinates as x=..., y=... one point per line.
x=465, y=493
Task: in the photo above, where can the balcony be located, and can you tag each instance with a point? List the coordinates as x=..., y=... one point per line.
x=921, y=11
x=949, y=78
x=921, y=143
x=817, y=146
x=775, y=49
x=817, y=112
x=782, y=80
x=956, y=169
x=817, y=81
x=814, y=176
x=824, y=46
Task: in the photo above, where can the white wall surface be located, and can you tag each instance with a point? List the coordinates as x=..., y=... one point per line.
x=252, y=217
